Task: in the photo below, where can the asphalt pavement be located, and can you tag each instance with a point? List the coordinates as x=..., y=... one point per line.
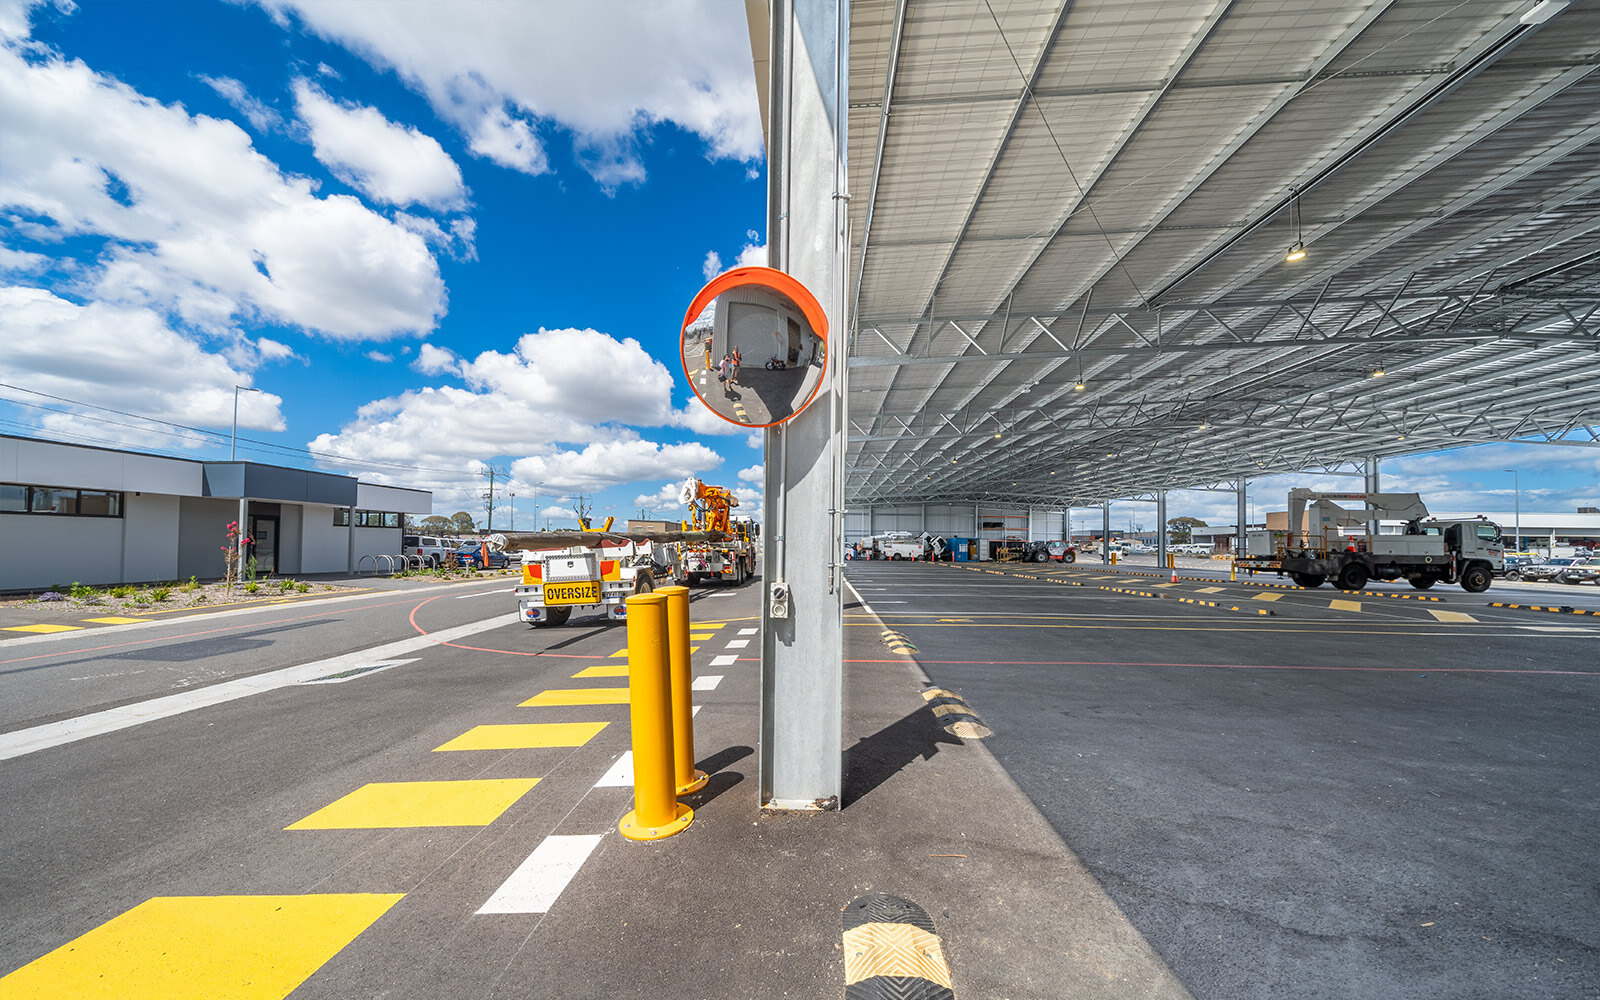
x=1363, y=795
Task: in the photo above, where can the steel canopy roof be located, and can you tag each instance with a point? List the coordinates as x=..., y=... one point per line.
x=1048, y=194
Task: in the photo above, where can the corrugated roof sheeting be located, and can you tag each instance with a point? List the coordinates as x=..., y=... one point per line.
x=1190, y=124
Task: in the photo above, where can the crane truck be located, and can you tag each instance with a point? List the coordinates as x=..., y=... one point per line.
x=1320, y=548
x=732, y=560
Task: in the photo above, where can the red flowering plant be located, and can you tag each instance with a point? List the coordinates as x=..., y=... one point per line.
x=230, y=553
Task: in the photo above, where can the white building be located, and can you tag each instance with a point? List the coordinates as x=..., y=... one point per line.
x=78, y=513
x=1542, y=531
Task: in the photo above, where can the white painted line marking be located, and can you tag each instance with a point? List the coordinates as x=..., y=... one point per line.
x=727, y=660
x=54, y=734
x=707, y=683
x=621, y=773
x=748, y=631
x=891, y=602
x=486, y=593
x=738, y=643
x=340, y=676
x=695, y=711
x=536, y=883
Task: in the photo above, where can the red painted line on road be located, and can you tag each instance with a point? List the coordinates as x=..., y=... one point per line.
x=190, y=635
x=1237, y=666
x=484, y=649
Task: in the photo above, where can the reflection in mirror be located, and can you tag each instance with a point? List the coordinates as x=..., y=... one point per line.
x=780, y=359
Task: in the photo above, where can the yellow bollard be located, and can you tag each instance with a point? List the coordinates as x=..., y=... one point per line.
x=1113, y=558
x=656, y=810
x=684, y=775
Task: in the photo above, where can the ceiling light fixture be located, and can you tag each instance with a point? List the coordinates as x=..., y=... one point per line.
x=1298, y=250
x=1378, y=373
x=997, y=435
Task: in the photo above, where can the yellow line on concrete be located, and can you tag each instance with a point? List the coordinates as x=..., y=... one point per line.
x=1451, y=616
x=42, y=628
x=604, y=670
x=115, y=621
x=1210, y=590
x=1265, y=597
x=1339, y=605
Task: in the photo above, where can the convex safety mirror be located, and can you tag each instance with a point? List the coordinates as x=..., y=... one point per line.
x=755, y=346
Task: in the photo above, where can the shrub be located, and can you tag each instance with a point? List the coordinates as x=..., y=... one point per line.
x=193, y=585
x=160, y=594
x=80, y=591
x=286, y=585
x=252, y=587
x=302, y=587
x=121, y=591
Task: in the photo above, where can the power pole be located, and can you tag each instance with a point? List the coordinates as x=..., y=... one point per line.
x=511, y=502
x=490, y=474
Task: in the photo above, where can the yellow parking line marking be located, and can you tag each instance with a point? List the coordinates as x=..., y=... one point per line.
x=115, y=621
x=1265, y=597
x=391, y=805
x=1210, y=590
x=604, y=670
x=526, y=736
x=1451, y=616
x=241, y=947
x=577, y=696
x=700, y=625
x=620, y=652
x=701, y=636
x=42, y=628
x=1338, y=605
x=1158, y=586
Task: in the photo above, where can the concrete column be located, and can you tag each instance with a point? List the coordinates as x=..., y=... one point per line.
x=1105, y=533
x=350, y=540
x=802, y=661
x=1161, y=528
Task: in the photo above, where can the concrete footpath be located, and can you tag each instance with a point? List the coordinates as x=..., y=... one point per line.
x=748, y=904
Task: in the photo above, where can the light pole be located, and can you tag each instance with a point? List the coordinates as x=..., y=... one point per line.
x=511, y=501
x=1516, y=483
x=234, y=441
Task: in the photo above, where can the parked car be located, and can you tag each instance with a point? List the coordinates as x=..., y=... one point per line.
x=471, y=556
x=1581, y=571
x=428, y=548
x=1516, y=564
x=1547, y=571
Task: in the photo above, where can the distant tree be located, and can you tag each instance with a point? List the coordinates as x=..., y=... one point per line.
x=462, y=523
x=1182, y=528
x=435, y=524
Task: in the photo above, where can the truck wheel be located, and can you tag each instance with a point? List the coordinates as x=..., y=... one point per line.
x=644, y=583
x=1352, y=576
x=1043, y=555
x=556, y=617
x=1422, y=582
x=1476, y=578
x=1310, y=581
x=1070, y=556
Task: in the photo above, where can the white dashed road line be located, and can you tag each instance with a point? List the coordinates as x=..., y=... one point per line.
x=707, y=683
x=725, y=661
x=536, y=883
x=748, y=631
x=738, y=643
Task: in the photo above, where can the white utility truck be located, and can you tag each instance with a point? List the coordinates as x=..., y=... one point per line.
x=1429, y=551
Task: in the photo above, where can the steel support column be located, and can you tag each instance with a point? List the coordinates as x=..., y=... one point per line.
x=802, y=655
x=1105, y=533
x=1241, y=521
x=1373, y=486
x=1161, y=528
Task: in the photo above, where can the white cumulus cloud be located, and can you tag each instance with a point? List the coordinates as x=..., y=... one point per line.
x=124, y=358
x=613, y=463
x=604, y=70
x=389, y=162
x=194, y=221
x=753, y=474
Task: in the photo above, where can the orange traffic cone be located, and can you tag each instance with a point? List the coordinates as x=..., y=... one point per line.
x=1174, y=576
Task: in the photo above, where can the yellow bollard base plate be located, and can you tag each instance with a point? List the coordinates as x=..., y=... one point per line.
x=630, y=828
x=695, y=785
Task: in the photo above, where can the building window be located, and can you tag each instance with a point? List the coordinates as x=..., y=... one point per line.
x=368, y=519
x=19, y=499
x=341, y=517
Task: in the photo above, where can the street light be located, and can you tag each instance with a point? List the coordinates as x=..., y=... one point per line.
x=234, y=441
x=1516, y=482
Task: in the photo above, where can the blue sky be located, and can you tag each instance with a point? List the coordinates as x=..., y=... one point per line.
x=437, y=237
